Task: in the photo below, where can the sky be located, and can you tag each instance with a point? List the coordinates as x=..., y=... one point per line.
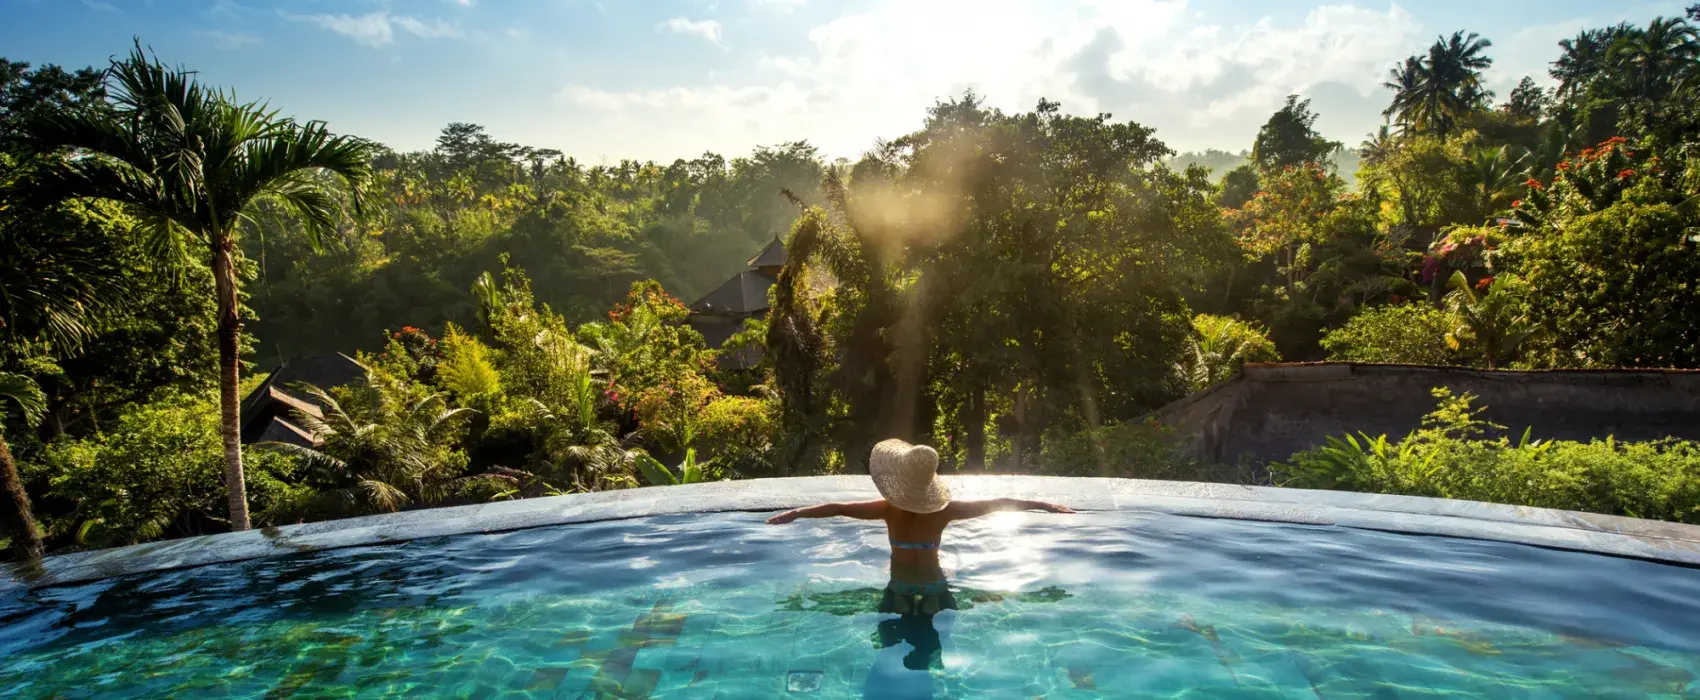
x=603, y=80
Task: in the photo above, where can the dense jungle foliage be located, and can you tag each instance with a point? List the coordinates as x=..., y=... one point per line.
x=1017, y=289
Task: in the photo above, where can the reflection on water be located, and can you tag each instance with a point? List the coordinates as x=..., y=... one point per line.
x=723, y=607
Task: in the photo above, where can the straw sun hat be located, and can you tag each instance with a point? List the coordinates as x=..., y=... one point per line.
x=908, y=476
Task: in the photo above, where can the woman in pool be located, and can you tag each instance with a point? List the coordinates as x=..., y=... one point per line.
x=916, y=509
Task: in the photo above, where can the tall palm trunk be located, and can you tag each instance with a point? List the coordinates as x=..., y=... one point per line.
x=26, y=537
x=229, y=367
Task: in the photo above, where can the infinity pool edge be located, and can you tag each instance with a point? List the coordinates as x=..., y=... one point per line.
x=1586, y=532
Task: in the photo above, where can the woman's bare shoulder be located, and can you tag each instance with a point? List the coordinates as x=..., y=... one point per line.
x=866, y=510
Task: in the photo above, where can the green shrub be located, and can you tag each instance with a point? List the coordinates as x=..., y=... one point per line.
x=738, y=432
x=158, y=472
x=465, y=369
x=1454, y=456
x=1134, y=449
x=1412, y=333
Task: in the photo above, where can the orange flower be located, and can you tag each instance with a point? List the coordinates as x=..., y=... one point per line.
x=1516, y=203
x=1625, y=174
x=1534, y=184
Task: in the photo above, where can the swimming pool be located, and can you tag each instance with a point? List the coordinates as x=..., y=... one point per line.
x=1104, y=604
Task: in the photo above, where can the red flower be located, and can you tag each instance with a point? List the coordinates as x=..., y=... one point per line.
x=1534, y=184
x=1563, y=165
x=1587, y=153
x=1483, y=283
x=1625, y=174
x=1396, y=298
x=1516, y=203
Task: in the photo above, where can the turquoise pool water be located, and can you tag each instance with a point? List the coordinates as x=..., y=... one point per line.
x=721, y=606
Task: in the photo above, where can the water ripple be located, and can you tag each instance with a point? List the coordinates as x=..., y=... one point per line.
x=692, y=605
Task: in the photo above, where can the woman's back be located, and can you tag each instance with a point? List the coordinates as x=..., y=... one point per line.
x=915, y=541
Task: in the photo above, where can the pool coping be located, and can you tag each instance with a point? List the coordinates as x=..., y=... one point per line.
x=1651, y=540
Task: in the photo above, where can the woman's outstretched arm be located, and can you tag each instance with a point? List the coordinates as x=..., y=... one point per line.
x=861, y=510
x=967, y=510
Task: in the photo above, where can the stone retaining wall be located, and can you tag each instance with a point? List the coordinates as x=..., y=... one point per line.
x=1270, y=411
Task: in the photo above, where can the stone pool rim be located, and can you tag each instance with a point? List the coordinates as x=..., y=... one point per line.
x=1651, y=540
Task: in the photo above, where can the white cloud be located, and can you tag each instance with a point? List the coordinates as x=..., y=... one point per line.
x=371, y=29
x=783, y=5
x=462, y=3
x=377, y=29
x=873, y=73
x=230, y=41
x=708, y=29
x=437, y=29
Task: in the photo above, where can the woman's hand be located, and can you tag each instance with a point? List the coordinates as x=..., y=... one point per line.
x=782, y=518
x=1055, y=508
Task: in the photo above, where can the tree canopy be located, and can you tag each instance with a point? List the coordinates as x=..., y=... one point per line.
x=1017, y=288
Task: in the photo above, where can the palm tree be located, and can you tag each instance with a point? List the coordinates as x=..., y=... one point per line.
x=1407, y=81
x=1433, y=92
x=1456, y=63
x=1584, y=58
x=850, y=245
x=194, y=164
x=1655, y=60
x=54, y=273
x=19, y=522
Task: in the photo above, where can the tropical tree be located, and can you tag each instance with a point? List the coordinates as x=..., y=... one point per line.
x=18, y=520
x=194, y=165
x=1433, y=92
x=1607, y=251
x=55, y=272
x=1526, y=101
x=1655, y=60
x=1584, y=58
x=1290, y=138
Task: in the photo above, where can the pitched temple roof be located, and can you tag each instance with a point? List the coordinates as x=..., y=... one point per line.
x=268, y=412
x=772, y=256
x=746, y=292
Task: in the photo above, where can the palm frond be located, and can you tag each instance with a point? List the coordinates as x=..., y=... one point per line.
x=24, y=392
x=656, y=473
x=308, y=456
